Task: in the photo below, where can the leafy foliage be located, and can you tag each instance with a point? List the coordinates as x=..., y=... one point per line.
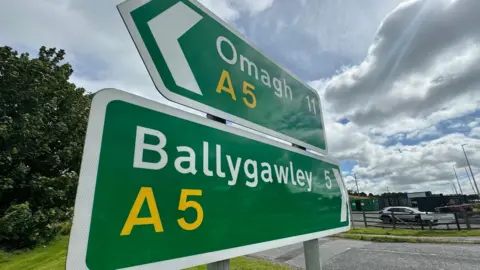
x=23, y=228
x=399, y=195
x=43, y=120
x=355, y=193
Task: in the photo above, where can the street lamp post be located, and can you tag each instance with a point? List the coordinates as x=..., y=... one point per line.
x=458, y=181
x=454, y=188
x=471, y=172
x=355, y=176
x=470, y=180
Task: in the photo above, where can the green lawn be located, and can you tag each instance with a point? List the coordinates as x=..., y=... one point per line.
x=244, y=263
x=52, y=257
x=42, y=258
x=379, y=238
x=406, y=232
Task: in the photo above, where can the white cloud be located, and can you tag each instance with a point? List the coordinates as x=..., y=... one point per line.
x=256, y=6
x=475, y=132
x=230, y=10
x=93, y=35
x=426, y=166
x=222, y=9
x=421, y=69
x=422, y=64
x=422, y=133
x=410, y=123
x=474, y=123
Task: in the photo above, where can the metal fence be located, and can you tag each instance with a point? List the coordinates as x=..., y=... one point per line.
x=432, y=221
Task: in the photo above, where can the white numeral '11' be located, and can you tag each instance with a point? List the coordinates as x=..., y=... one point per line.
x=311, y=106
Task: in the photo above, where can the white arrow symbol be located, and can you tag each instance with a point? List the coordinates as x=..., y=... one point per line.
x=167, y=28
x=343, y=191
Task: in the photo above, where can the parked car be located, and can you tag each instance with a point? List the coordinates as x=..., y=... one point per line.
x=404, y=213
x=455, y=208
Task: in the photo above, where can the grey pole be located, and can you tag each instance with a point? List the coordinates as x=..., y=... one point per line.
x=454, y=188
x=458, y=181
x=220, y=265
x=312, y=255
x=471, y=172
x=470, y=180
x=355, y=176
x=225, y=264
x=310, y=247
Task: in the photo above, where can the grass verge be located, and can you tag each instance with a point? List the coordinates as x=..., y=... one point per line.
x=49, y=257
x=406, y=239
x=52, y=257
x=386, y=239
x=244, y=263
x=406, y=232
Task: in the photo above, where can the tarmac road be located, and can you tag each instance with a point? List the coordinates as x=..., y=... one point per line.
x=337, y=254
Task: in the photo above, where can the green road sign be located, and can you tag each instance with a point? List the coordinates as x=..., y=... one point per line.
x=197, y=60
x=160, y=187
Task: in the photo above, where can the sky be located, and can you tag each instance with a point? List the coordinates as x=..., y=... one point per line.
x=399, y=80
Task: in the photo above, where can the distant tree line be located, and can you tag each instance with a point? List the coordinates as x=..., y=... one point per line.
x=403, y=195
x=360, y=194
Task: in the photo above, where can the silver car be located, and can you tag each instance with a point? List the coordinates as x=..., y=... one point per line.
x=402, y=213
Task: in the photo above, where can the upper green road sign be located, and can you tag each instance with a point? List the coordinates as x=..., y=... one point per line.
x=197, y=60
x=165, y=189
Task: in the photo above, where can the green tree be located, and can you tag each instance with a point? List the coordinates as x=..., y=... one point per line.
x=43, y=120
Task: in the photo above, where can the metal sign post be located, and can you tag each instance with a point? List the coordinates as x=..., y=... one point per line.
x=221, y=265
x=312, y=255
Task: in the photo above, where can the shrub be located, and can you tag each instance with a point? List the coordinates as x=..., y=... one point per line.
x=20, y=228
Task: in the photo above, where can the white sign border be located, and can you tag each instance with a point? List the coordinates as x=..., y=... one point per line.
x=77, y=247
x=128, y=6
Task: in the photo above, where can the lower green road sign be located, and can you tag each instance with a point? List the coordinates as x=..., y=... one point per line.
x=161, y=188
